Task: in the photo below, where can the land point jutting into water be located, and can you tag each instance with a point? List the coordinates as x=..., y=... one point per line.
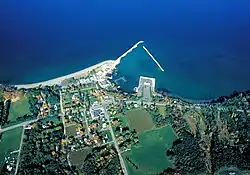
x=84, y=123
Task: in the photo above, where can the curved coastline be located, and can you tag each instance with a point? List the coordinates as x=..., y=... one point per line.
x=207, y=101
x=193, y=101
x=58, y=80
x=111, y=63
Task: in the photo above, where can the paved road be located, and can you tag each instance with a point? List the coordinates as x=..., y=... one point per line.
x=164, y=104
x=19, y=154
x=116, y=146
x=21, y=143
x=17, y=125
x=61, y=105
x=148, y=103
x=64, y=125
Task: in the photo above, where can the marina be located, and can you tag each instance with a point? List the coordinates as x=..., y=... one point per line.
x=120, y=79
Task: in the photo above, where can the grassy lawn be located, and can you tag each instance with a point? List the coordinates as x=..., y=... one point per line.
x=131, y=170
x=77, y=157
x=192, y=123
x=83, y=89
x=139, y=120
x=150, y=154
x=92, y=99
x=123, y=120
x=19, y=108
x=10, y=141
x=162, y=110
x=71, y=130
x=67, y=98
x=56, y=120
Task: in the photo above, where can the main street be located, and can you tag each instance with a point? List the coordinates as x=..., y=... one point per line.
x=116, y=145
x=144, y=102
x=62, y=111
x=163, y=104
x=19, y=153
x=64, y=126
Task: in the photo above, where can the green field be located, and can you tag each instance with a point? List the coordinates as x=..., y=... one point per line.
x=19, y=108
x=71, y=130
x=10, y=141
x=77, y=157
x=162, y=110
x=150, y=154
x=56, y=120
x=139, y=120
x=123, y=120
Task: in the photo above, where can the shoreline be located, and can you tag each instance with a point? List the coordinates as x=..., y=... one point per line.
x=81, y=73
x=58, y=80
x=111, y=65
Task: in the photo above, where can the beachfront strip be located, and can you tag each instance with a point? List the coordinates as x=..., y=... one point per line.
x=108, y=67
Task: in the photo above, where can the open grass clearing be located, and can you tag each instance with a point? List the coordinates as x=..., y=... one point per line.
x=123, y=120
x=67, y=98
x=150, y=154
x=55, y=119
x=139, y=120
x=192, y=124
x=10, y=141
x=18, y=108
x=71, y=130
x=162, y=110
x=83, y=89
x=77, y=157
x=92, y=99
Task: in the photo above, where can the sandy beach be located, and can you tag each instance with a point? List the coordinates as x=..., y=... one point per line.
x=111, y=64
x=58, y=80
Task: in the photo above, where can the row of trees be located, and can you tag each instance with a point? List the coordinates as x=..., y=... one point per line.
x=4, y=112
x=129, y=138
x=158, y=118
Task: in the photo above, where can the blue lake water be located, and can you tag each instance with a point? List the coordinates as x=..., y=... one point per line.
x=202, y=45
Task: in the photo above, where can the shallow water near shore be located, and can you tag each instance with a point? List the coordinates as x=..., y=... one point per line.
x=190, y=78
x=203, y=47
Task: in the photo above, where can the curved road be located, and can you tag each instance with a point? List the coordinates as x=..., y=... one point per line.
x=17, y=125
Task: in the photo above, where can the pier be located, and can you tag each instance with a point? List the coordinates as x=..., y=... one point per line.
x=153, y=58
x=121, y=78
x=128, y=51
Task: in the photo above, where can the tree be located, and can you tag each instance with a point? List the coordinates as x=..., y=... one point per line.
x=188, y=156
x=1, y=94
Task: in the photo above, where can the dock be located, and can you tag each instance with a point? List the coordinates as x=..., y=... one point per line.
x=128, y=51
x=121, y=78
x=156, y=62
